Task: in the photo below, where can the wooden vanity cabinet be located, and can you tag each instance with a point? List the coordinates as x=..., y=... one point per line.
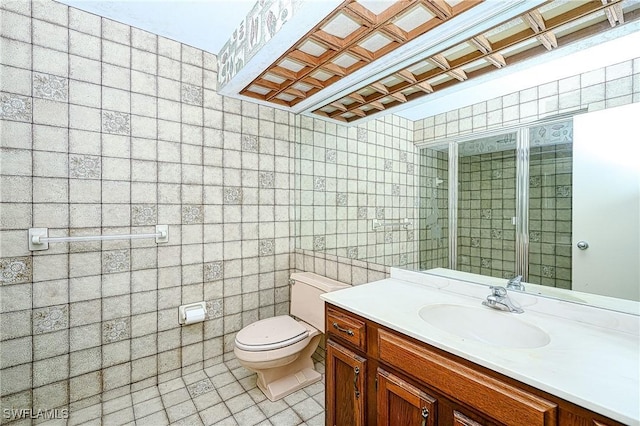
x=379, y=377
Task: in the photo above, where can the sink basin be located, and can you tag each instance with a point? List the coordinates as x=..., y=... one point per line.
x=484, y=325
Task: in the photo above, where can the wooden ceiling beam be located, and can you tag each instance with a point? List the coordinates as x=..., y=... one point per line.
x=334, y=69
x=359, y=112
x=361, y=13
x=379, y=87
x=407, y=76
x=614, y=13
x=357, y=97
x=496, y=59
x=535, y=21
x=439, y=8
x=305, y=58
x=362, y=53
x=377, y=105
x=548, y=40
x=482, y=43
x=267, y=84
x=313, y=82
x=330, y=40
x=398, y=96
x=394, y=33
x=296, y=92
x=425, y=87
x=338, y=106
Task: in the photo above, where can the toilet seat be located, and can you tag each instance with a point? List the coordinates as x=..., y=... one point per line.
x=271, y=333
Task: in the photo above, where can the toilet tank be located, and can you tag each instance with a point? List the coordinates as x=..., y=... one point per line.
x=305, y=297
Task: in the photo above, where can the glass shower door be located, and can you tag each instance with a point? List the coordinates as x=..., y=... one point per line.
x=550, y=200
x=486, y=211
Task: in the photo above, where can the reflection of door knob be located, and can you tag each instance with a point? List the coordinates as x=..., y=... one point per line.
x=582, y=245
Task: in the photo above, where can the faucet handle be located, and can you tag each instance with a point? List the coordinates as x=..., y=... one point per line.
x=498, y=291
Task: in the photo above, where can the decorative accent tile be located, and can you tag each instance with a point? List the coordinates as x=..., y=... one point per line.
x=362, y=212
x=496, y=234
x=319, y=183
x=496, y=174
x=51, y=318
x=395, y=190
x=192, y=94
x=115, y=330
x=403, y=156
x=192, y=214
x=264, y=20
x=404, y=258
x=215, y=309
x=411, y=168
x=266, y=180
x=330, y=156
x=319, y=243
x=266, y=247
x=52, y=87
x=118, y=123
x=548, y=271
x=15, y=107
x=213, y=271
x=379, y=212
x=250, y=143
x=534, y=181
x=85, y=166
x=388, y=237
x=232, y=195
x=485, y=262
x=16, y=270
x=388, y=165
x=115, y=261
x=200, y=388
x=485, y=214
x=563, y=191
x=144, y=214
x=362, y=135
x=352, y=252
x=534, y=236
x=475, y=242
x=341, y=199
x=411, y=235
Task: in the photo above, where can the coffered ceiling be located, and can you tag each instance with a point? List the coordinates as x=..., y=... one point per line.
x=309, y=77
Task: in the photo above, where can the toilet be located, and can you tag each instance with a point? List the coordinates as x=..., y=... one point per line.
x=279, y=349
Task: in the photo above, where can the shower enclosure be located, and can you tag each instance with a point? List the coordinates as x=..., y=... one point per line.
x=499, y=204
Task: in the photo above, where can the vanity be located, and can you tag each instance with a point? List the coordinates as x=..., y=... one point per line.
x=417, y=349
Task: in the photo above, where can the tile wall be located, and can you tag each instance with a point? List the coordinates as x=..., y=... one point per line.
x=350, y=176
x=108, y=129
x=486, y=204
x=434, y=208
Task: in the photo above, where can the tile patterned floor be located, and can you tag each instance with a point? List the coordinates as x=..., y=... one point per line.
x=222, y=395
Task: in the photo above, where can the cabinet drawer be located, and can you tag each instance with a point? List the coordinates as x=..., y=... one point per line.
x=347, y=328
x=490, y=396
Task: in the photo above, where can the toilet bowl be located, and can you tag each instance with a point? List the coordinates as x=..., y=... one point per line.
x=279, y=349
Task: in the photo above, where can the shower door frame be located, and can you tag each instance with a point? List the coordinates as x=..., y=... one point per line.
x=522, y=131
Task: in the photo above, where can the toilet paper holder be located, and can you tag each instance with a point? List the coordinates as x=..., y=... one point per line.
x=197, y=311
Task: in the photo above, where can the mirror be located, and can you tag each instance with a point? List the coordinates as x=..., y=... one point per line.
x=349, y=178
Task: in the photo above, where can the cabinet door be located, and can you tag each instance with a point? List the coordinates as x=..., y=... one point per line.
x=460, y=419
x=345, y=376
x=400, y=403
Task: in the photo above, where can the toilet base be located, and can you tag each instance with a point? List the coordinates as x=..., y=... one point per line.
x=289, y=384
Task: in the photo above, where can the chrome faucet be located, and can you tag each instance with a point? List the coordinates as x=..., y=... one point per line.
x=515, y=283
x=498, y=299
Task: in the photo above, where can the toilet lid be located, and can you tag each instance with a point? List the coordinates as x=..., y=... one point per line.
x=271, y=333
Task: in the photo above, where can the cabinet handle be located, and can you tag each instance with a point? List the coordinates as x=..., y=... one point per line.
x=425, y=416
x=344, y=330
x=356, y=370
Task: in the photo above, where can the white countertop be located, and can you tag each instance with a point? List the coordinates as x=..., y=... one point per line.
x=592, y=359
